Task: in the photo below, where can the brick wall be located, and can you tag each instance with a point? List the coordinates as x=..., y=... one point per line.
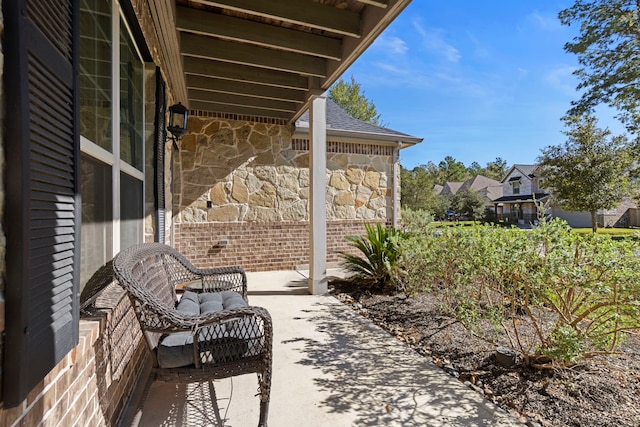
x=258, y=246
x=92, y=384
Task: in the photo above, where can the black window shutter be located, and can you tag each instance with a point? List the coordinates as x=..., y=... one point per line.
x=42, y=189
x=160, y=138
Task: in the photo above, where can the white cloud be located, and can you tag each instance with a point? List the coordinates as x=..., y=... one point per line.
x=449, y=78
x=480, y=50
x=390, y=68
x=546, y=22
x=433, y=41
x=562, y=79
x=392, y=44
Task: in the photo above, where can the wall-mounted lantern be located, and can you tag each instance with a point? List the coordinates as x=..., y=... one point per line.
x=178, y=114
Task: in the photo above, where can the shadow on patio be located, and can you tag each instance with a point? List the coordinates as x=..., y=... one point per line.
x=332, y=367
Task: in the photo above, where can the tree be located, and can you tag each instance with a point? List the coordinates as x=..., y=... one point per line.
x=607, y=48
x=476, y=169
x=590, y=171
x=452, y=170
x=496, y=169
x=469, y=204
x=352, y=100
x=416, y=189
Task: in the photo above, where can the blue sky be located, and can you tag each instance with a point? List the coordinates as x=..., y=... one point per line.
x=476, y=79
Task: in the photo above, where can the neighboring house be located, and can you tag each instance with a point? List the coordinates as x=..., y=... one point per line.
x=523, y=191
x=520, y=194
x=88, y=169
x=486, y=187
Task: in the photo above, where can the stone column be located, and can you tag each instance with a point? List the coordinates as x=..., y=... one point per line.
x=317, y=200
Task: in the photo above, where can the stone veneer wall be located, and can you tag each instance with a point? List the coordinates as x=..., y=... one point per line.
x=92, y=384
x=242, y=193
x=250, y=171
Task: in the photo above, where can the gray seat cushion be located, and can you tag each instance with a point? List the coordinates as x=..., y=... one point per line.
x=176, y=349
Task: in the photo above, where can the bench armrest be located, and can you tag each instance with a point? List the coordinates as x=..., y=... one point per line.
x=223, y=279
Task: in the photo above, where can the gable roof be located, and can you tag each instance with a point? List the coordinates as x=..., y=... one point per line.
x=451, y=187
x=494, y=192
x=525, y=170
x=341, y=125
x=479, y=182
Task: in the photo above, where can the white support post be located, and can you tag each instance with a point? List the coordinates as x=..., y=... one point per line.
x=318, y=195
x=396, y=186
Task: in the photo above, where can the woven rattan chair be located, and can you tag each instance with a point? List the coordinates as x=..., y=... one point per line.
x=224, y=343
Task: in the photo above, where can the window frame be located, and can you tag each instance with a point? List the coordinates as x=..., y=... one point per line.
x=515, y=187
x=113, y=158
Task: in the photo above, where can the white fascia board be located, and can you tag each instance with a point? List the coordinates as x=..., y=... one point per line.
x=361, y=137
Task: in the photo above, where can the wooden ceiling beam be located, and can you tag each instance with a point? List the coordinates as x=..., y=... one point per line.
x=238, y=110
x=377, y=3
x=245, y=54
x=265, y=35
x=244, y=89
x=239, y=100
x=301, y=12
x=244, y=73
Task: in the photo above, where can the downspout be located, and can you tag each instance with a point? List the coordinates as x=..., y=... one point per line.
x=396, y=185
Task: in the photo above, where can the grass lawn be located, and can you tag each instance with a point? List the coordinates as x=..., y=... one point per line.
x=616, y=233
x=613, y=232
x=454, y=223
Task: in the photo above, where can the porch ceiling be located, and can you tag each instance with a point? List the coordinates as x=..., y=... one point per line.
x=265, y=58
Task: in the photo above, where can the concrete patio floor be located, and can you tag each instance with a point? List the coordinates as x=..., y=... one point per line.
x=331, y=367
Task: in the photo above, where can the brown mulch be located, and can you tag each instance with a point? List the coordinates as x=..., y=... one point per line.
x=599, y=392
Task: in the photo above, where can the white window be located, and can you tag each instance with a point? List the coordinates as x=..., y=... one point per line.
x=516, y=187
x=111, y=129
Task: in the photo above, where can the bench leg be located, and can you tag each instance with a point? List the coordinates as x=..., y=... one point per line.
x=264, y=381
x=264, y=414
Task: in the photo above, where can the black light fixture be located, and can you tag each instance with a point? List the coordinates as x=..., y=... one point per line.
x=178, y=114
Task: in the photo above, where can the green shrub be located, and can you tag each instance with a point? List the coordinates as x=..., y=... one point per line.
x=380, y=250
x=557, y=296
x=415, y=221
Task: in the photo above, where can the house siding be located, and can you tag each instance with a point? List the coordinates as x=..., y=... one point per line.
x=621, y=216
x=574, y=219
x=526, y=186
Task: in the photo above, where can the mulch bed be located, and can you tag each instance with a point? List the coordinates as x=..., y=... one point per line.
x=603, y=391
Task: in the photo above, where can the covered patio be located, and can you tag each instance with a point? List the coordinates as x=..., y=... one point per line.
x=332, y=367
x=105, y=164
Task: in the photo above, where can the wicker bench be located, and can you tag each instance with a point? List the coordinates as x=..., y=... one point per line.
x=202, y=336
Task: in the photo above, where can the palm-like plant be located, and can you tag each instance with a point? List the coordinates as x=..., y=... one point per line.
x=380, y=247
